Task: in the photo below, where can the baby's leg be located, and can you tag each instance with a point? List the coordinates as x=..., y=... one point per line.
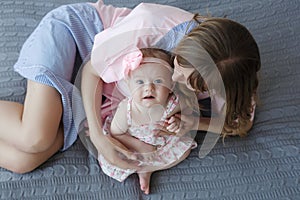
x=35, y=126
x=145, y=181
x=147, y=171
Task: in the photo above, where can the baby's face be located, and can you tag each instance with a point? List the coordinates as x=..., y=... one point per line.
x=150, y=84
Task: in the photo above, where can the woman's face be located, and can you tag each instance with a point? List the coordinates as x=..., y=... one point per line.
x=182, y=74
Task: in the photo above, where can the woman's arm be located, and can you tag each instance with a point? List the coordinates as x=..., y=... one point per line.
x=242, y=130
x=91, y=88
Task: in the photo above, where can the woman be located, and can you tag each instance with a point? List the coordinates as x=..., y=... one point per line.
x=31, y=133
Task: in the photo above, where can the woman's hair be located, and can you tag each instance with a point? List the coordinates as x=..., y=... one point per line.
x=236, y=56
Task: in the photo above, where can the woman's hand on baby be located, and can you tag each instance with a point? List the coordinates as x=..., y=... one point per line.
x=115, y=152
x=143, y=151
x=134, y=144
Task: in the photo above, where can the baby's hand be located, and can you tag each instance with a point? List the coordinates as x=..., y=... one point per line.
x=173, y=124
x=178, y=125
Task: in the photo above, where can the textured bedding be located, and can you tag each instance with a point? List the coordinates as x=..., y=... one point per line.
x=264, y=165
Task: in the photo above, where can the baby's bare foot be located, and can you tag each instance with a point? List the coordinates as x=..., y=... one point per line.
x=145, y=181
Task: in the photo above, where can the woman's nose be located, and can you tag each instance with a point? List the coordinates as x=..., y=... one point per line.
x=175, y=76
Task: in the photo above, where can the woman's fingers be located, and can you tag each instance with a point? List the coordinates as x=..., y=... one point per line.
x=119, y=147
x=123, y=163
x=115, y=152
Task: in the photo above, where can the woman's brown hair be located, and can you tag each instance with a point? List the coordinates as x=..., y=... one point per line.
x=236, y=56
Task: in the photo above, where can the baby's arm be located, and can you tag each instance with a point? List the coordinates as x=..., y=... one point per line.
x=119, y=123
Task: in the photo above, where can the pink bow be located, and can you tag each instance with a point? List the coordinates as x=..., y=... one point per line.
x=132, y=61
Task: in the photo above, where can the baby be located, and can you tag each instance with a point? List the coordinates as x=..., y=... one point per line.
x=151, y=102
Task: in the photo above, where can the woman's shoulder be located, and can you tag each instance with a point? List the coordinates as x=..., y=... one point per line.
x=150, y=14
x=168, y=10
x=175, y=35
x=109, y=14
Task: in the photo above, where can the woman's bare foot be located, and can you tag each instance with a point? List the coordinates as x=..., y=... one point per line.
x=145, y=181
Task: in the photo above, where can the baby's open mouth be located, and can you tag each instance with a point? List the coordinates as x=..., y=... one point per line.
x=149, y=97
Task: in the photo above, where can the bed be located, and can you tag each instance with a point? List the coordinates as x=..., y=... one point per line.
x=264, y=165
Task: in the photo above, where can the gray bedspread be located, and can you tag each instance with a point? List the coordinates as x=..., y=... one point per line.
x=264, y=165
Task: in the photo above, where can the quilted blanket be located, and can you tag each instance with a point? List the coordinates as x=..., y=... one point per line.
x=264, y=165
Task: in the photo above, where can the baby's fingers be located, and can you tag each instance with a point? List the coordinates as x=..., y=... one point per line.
x=172, y=127
x=172, y=120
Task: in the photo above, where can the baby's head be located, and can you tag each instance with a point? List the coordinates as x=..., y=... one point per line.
x=150, y=80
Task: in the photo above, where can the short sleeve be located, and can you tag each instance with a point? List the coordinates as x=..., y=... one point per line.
x=109, y=14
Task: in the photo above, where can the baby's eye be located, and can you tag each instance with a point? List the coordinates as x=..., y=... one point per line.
x=139, y=82
x=158, y=81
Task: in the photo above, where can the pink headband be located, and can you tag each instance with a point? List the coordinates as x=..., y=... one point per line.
x=135, y=59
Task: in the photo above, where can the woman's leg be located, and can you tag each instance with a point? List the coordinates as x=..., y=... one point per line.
x=33, y=128
x=18, y=161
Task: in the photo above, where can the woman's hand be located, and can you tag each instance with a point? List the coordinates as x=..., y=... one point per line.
x=134, y=144
x=142, y=150
x=115, y=152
